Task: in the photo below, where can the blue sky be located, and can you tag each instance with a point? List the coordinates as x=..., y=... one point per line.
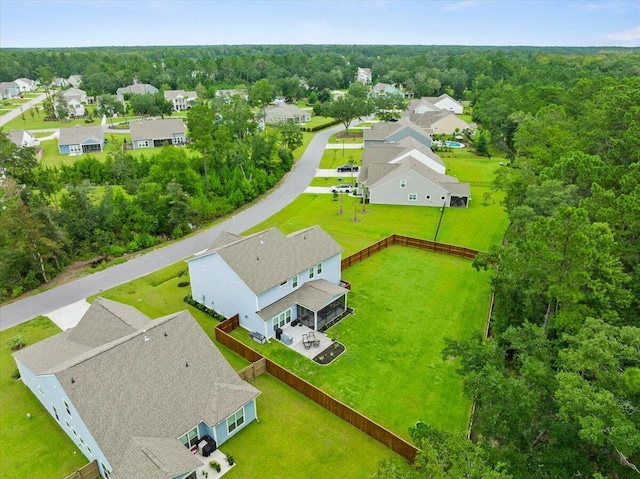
x=80, y=23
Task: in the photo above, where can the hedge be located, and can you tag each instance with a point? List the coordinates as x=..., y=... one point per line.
x=210, y=312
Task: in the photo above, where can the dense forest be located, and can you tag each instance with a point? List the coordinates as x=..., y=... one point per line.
x=556, y=385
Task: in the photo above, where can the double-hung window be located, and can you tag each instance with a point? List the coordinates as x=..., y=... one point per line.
x=235, y=420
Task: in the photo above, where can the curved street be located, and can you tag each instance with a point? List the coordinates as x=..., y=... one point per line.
x=291, y=186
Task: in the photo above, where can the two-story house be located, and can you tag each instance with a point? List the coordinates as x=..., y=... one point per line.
x=363, y=75
x=138, y=396
x=180, y=99
x=271, y=280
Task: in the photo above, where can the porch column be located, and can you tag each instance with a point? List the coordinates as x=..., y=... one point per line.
x=315, y=320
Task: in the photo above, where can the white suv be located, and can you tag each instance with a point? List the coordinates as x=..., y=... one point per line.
x=342, y=189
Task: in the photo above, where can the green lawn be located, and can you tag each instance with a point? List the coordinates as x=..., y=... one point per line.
x=331, y=181
x=340, y=138
x=478, y=226
x=317, y=120
x=332, y=158
x=52, y=157
x=38, y=123
x=392, y=370
x=33, y=448
x=297, y=438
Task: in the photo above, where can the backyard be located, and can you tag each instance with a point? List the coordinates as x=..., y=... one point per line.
x=281, y=411
x=405, y=301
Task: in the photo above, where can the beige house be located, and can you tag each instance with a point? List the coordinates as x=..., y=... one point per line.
x=441, y=122
x=284, y=113
x=180, y=99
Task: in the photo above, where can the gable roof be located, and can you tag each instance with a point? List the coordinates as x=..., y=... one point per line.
x=156, y=129
x=137, y=88
x=169, y=364
x=383, y=130
x=79, y=134
x=73, y=92
x=20, y=137
x=418, y=102
x=289, y=111
x=381, y=173
x=436, y=99
x=313, y=295
x=430, y=118
x=268, y=258
x=172, y=94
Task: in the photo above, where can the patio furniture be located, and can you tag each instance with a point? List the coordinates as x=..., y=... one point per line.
x=312, y=338
x=257, y=337
x=286, y=339
x=306, y=342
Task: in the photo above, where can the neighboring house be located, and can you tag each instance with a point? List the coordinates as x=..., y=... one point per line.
x=75, y=94
x=25, y=85
x=9, y=89
x=394, y=152
x=75, y=80
x=150, y=133
x=363, y=75
x=23, y=138
x=380, y=89
x=138, y=395
x=285, y=113
x=270, y=279
x=180, y=99
x=395, y=131
x=137, y=89
x=441, y=122
x=421, y=105
x=445, y=102
x=337, y=94
x=59, y=83
x=75, y=108
x=80, y=139
x=409, y=182
x=229, y=93
x=279, y=101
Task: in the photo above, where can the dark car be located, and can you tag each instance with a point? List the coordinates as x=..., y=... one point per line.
x=347, y=168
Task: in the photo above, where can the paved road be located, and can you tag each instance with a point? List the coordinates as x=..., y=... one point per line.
x=293, y=184
x=16, y=113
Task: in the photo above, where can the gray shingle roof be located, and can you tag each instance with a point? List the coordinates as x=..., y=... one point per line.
x=137, y=394
x=268, y=258
x=313, y=295
x=383, y=130
x=79, y=134
x=137, y=88
x=156, y=129
x=171, y=94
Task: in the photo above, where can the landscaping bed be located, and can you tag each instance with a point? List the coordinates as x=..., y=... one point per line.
x=330, y=353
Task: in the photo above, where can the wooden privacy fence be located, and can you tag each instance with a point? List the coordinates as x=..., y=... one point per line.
x=401, y=240
x=253, y=370
x=90, y=471
x=353, y=417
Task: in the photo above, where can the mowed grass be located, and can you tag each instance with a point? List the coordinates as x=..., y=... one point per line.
x=406, y=301
x=38, y=122
x=317, y=120
x=478, y=226
x=33, y=448
x=297, y=438
x=334, y=157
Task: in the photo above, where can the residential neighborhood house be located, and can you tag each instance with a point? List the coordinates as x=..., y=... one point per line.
x=75, y=80
x=9, y=89
x=59, y=83
x=399, y=168
x=363, y=75
x=380, y=89
x=421, y=105
x=244, y=94
x=23, y=138
x=150, y=133
x=180, y=99
x=445, y=102
x=285, y=113
x=441, y=122
x=26, y=85
x=394, y=131
x=271, y=280
x=80, y=139
x=145, y=399
x=137, y=89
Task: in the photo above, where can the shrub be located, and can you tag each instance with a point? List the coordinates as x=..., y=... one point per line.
x=230, y=460
x=15, y=374
x=17, y=342
x=215, y=465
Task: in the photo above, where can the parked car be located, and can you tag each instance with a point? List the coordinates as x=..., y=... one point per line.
x=347, y=168
x=343, y=189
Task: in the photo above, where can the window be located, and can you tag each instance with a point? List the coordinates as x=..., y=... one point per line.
x=282, y=319
x=319, y=269
x=74, y=432
x=235, y=420
x=413, y=197
x=311, y=274
x=89, y=450
x=66, y=405
x=105, y=471
x=68, y=425
x=190, y=439
x=403, y=183
x=82, y=441
x=283, y=283
x=40, y=389
x=55, y=413
x=294, y=281
x=143, y=144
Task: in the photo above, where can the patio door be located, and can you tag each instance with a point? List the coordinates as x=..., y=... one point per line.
x=282, y=319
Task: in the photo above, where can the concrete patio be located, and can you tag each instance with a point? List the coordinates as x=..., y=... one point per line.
x=218, y=456
x=296, y=333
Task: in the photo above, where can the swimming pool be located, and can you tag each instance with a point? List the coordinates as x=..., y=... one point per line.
x=454, y=144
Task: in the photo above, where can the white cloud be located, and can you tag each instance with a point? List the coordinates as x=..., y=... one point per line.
x=459, y=5
x=627, y=36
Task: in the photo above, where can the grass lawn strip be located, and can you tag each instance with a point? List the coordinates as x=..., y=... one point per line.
x=392, y=370
x=33, y=448
x=298, y=438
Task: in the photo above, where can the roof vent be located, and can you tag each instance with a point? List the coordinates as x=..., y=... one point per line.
x=73, y=381
x=257, y=258
x=165, y=334
x=186, y=364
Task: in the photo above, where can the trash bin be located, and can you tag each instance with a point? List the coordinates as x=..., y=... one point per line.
x=278, y=333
